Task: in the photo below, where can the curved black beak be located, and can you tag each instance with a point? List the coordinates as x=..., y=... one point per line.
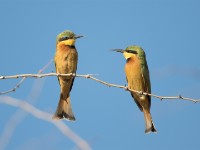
x=118, y=50
x=78, y=36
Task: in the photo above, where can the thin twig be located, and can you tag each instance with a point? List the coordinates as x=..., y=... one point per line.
x=88, y=76
x=23, y=79
x=19, y=115
x=144, y=93
x=82, y=144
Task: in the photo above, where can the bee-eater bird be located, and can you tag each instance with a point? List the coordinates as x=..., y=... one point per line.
x=137, y=76
x=66, y=58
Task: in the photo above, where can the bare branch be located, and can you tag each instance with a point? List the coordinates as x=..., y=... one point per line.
x=144, y=93
x=23, y=79
x=88, y=76
x=82, y=144
x=19, y=115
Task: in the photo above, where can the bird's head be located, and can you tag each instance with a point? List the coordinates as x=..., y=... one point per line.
x=67, y=38
x=131, y=51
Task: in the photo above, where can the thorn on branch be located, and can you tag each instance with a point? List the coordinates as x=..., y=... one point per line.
x=72, y=74
x=87, y=76
x=180, y=97
x=58, y=74
x=109, y=85
x=126, y=88
x=141, y=92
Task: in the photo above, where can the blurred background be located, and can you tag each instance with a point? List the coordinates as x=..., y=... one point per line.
x=107, y=118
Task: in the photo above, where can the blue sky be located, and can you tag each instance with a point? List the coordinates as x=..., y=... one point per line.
x=168, y=31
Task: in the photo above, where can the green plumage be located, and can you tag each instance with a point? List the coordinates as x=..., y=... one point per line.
x=144, y=67
x=137, y=75
x=65, y=34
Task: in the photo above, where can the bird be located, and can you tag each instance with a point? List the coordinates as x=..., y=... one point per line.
x=66, y=59
x=138, y=78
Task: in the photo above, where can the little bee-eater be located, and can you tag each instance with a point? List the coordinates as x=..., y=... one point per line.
x=66, y=58
x=137, y=76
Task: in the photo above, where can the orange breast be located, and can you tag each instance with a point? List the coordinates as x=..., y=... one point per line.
x=133, y=74
x=66, y=58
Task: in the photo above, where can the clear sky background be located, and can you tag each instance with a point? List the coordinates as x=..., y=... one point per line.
x=108, y=118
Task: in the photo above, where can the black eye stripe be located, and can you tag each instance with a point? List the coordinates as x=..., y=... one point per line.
x=63, y=38
x=130, y=51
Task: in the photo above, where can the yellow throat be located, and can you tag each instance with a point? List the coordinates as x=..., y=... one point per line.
x=69, y=42
x=128, y=55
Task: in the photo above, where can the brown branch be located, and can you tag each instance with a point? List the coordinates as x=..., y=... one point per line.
x=82, y=144
x=88, y=76
x=24, y=78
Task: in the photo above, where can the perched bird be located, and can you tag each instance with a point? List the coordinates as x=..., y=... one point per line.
x=137, y=76
x=66, y=58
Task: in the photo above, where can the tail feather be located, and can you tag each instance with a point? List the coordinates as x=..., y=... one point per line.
x=64, y=110
x=151, y=129
x=149, y=123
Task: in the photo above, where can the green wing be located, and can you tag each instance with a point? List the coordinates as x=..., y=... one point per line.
x=146, y=80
